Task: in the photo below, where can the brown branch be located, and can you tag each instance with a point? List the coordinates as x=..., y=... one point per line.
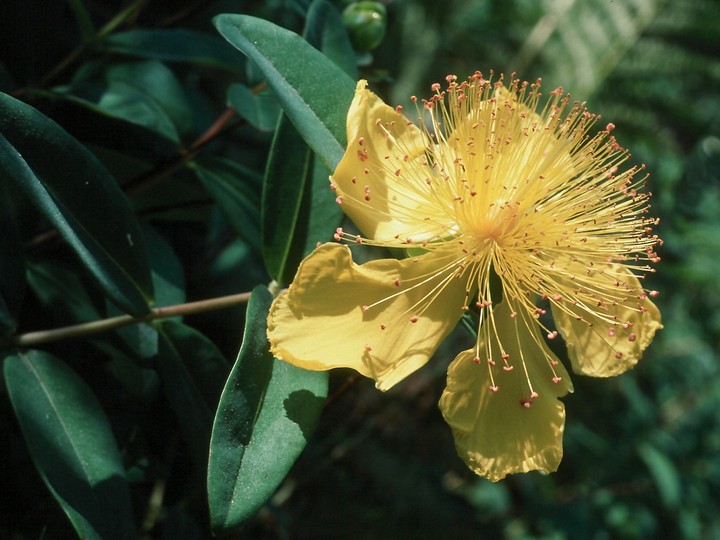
x=103, y=325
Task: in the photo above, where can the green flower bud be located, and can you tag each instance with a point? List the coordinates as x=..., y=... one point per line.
x=365, y=23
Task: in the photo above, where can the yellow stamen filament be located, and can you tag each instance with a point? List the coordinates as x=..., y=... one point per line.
x=497, y=188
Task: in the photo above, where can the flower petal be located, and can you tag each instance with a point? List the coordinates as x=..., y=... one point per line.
x=496, y=434
x=379, y=180
x=600, y=349
x=320, y=323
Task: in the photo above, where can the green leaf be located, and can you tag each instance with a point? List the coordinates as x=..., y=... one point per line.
x=314, y=92
x=179, y=198
x=148, y=94
x=235, y=189
x=325, y=31
x=192, y=411
x=298, y=208
x=616, y=27
x=204, y=362
x=168, y=281
x=664, y=473
x=62, y=293
x=98, y=128
x=71, y=444
x=320, y=215
x=267, y=412
x=12, y=264
x=7, y=321
x=167, y=271
x=83, y=19
x=260, y=110
x=175, y=45
x=78, y=195
x=287, y=173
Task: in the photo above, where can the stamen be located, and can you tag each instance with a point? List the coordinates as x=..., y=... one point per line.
x=522, y=202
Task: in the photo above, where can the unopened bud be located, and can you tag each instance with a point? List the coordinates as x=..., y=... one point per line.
x=365, y=23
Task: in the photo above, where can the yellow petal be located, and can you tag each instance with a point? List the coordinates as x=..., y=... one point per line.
x=319, y=323
x=600, y=349
x=380, y=179
x=495, y=433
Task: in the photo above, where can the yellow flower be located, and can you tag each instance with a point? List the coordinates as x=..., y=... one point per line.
x=507, y=212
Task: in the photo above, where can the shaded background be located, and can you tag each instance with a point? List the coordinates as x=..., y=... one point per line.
x=641, y=450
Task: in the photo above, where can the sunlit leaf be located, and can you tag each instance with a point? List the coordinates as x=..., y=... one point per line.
x=298, y=208
x=267, y=412
x=314, y=92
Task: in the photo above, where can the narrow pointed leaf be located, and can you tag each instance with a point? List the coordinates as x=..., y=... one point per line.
x=167, y=271
x=298, y=207
x=148, y=94
x=87, y=121
x=71, y=444
x=261, y=110
x=314, y=92
x=267, y=412
x=321, y=215
x=83, y=19
x=235, y=189
x=286, y=176
x=7, y=321
x=204, y=362
x=77, y=194
x=325, y=31
x=12, y=264
x=62, y=292
x=175, y=45
x=193, y=413
x=168, y=282
x=296, y=215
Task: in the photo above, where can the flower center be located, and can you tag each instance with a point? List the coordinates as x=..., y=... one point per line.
x=494, y=227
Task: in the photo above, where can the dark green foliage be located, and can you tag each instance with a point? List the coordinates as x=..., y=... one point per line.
x=157, y=153
x=71, y=443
